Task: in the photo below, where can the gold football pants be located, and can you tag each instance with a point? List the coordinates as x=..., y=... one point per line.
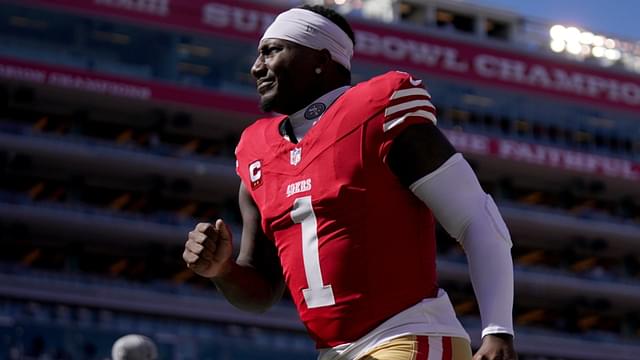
x=414, y=347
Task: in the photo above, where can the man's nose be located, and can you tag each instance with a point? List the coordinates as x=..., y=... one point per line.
x=258, y=69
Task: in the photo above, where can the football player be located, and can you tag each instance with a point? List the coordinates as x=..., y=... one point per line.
x=338, y=199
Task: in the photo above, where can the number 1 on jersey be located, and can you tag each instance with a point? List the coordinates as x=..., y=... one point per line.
x=317, y=294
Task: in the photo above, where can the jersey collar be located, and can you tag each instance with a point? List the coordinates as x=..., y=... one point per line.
x=303, y=119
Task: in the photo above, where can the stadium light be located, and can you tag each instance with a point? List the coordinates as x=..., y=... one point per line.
x=558, y=45
x=612, y=54
x=610, y=43
x=572, y=34
x=574, y=47
x=557, y=32
x=584, y=44
x=586, y=38
x=598, y=51
x=598, y=40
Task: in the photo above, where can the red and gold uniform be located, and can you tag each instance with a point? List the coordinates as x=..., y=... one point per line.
x=356, y=246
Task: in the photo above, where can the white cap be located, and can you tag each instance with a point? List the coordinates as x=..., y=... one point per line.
x=134, y=347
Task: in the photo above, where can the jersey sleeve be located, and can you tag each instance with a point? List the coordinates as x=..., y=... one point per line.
x=407, y=103
x=248, y=160
x=239, y=154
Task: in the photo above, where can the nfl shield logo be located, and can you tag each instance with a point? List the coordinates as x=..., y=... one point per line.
x=314, y=110
x=296, y=156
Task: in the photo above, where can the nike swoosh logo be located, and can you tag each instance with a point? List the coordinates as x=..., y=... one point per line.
x=415, y=82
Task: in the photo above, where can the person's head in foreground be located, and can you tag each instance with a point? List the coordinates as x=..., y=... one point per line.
x=305, y=53
x=134, y=347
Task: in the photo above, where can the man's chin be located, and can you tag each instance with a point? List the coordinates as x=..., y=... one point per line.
x=267, y=104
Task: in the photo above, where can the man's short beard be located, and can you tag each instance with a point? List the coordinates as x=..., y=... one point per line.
x=267, y=104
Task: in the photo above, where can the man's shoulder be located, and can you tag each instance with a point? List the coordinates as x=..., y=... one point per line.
x=380, y=89
x=370, y=97
x=390, y=81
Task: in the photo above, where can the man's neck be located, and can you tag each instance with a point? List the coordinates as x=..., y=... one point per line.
x=312, y=97
x=297, y=124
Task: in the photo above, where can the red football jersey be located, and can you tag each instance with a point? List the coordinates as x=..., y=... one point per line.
x=356, y=246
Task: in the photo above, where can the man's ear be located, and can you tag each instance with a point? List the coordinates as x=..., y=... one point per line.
x=324, y=58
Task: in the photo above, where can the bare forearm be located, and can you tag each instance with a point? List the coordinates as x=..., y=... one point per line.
x=247, y=289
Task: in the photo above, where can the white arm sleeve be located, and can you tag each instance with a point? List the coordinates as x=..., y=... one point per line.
x=455, y=197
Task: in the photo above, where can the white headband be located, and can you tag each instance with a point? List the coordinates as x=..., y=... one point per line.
x=306, y=28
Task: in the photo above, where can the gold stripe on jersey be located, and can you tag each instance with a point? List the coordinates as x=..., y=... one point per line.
x=408, y=105
x=409, y=92
x=390, y=124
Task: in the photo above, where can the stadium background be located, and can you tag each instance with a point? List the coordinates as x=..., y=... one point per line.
x=118, y=121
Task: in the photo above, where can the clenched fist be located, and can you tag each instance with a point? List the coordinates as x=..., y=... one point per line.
x=209, y=249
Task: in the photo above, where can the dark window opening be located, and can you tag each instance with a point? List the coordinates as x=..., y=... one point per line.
x=449, y=20
x=411, y=12
x=497, y=29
